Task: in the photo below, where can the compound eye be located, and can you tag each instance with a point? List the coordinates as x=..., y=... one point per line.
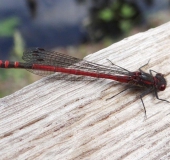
x=162, y=87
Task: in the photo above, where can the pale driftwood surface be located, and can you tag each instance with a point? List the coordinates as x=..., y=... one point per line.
x=72, y=120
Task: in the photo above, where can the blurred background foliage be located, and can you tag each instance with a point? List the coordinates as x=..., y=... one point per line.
x=75, y=27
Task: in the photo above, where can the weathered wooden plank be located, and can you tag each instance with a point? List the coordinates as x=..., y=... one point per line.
x=72, y=120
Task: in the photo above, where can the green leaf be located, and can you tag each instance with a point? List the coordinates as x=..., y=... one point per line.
x=106, y=14
x=7, y=27
x=126, y=25
x=127, y=11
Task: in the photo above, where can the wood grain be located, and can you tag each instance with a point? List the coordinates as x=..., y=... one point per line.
x=60, y=119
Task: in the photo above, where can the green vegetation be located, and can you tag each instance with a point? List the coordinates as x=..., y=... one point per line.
x=7, y=26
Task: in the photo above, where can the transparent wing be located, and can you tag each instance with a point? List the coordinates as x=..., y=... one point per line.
x=56, y=59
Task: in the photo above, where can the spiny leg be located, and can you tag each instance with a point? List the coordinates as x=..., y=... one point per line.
x=117, y=94
x=156, y=94
x=127, y=87
x=140, y=69
x=143, y=106
x=144, y=94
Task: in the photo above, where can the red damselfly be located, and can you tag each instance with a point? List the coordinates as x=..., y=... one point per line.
x=42, y=62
